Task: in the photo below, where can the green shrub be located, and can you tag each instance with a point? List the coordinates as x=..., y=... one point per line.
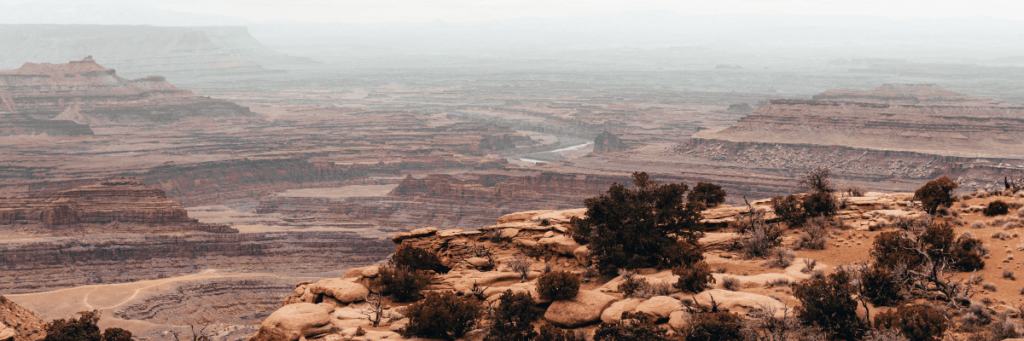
x=789, y=210
x=828, y=303
x=408, y=256
x=716, y=326
x=513, y=319
x=820, y=204
x=558, y=285
x=403, y=284
x=938, y=241
x=706, y=194
x=552, y=333
x=631, y=284
x=632, y=327
x=636, y=228
x=915, y=322
x=936, y=193
x=995, y=208
x=442, y=316
x=117, y=334
x=880, y=286
x=694, y=277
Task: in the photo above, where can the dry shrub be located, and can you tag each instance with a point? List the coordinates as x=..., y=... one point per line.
x=513, y=319
x=552, y=333
x=938, y=242
x=415, y=258
x=693, y=278
x=995, y=208
x=881, y=286
x=780, y=258
x=936, y=193
x=788, y=210
x=1008, y=274
x=558, y=285
x=915, y=322
x=989, y=286
x=1004, y=328
x=828, y=303
x=520, y=265
x=632, y=327
x=759, y=237
x=731, y=283
x=884, y=335
x=1020, y=213
x=442, y=316
x=978, y=225
x=815, y=234
x=855, y=191
x=402, y=284
x=716, y=326
x=84, y=329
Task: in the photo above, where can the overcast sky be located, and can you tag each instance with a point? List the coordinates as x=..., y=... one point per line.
x=367, y=11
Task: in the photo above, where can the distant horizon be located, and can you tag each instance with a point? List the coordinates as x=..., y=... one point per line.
x=236, y=12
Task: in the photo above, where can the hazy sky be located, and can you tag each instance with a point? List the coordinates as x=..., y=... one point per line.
x=483, y=10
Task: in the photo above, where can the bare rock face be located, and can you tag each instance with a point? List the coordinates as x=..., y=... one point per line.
x=117, y=199
x=586, y=308
x=19, y=324
x=614, y=312
x=65, y=99
x=341, y=290
x=295, y=322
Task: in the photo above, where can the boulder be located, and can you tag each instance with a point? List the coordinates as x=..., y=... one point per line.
x=294, y=322
x=679, y=320
x=584, y=309
x=614, y=312
x=371, y=271
x=659, y=306
x=7, y=333
x=342, y=290
x=518, y=217
x=560, y=244
x=582, y=254
x=739, y=302
x=508, y=233
x=479, y=262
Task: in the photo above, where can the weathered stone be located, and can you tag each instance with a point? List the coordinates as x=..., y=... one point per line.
x=614, y=311
x=294, y=322
x=659, y=306
x=342, y=290
x=679, y=320
x=560, y=244
x=478, y=261
x=582, y=254
x=584, y=309
x=417, y=233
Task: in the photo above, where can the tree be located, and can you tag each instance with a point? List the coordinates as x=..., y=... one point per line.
x=83, y=329
x=818, y=180
x=915, y=322
x=828, y=303
x=442, y=315
x=707, y=194
x=513, y=319
x=635, y=228
x=936, y=193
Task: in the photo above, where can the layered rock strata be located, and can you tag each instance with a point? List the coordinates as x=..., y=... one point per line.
x=114, y=200
x=86, y=93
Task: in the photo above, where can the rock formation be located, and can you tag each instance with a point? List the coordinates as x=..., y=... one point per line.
x=894, y=117
x=83, y=92
x=114, y=200
x=19, y=324
x=606, y=142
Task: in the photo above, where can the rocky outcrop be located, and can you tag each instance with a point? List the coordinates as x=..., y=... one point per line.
x=606, y=142
x=114, y=200
x=584, y=309
x=295, y=322
x=19, y=324
x=83, y=93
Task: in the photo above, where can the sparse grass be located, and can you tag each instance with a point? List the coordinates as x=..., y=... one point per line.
x=780, y=282
x=1008, y=274
x=780, y=258
x=815, y=234
x=731, y=283
x=989, y=286
x=809, y=264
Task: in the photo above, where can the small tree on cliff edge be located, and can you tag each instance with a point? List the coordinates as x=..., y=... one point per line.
x=936, y=193
x=637, y=228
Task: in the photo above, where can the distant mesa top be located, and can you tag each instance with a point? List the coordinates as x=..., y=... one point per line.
x=82, y=93
x=897, y=117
